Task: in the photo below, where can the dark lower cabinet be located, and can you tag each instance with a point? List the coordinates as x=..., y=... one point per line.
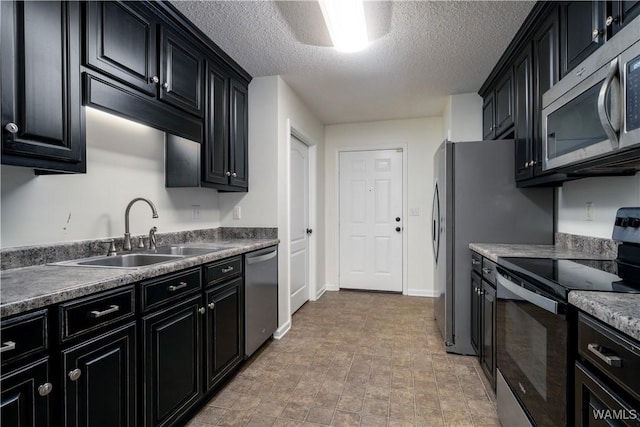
x=488, y=331
x=224, y=330
x=99, y=379
x=583, y=31
x=476, y=286
x=25, y=396
x=172, y=356
x=42, y=116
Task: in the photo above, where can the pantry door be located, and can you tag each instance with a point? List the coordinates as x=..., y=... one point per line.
x=299, y=229
x=370, y=220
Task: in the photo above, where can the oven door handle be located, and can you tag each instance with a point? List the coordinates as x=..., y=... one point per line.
x=532, y=297
x=610, y=128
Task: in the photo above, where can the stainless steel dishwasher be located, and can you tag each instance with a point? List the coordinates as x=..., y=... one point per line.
x=261, y=297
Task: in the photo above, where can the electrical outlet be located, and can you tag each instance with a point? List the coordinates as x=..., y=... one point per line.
x=589, y=211
x=195, y=211
x=414, y=212
x=237, y=212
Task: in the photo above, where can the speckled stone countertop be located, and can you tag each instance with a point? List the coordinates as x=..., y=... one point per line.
x=495, y=250
x=619, y=310
x=29, y=288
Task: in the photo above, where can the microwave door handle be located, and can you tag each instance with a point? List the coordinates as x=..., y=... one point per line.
x=532, y=297
x=609, y=128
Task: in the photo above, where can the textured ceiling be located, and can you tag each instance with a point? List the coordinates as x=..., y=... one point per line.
x=422, y=52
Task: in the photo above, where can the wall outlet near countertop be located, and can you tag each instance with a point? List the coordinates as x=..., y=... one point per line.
x=588, y=207
x=237, y=212
x=195, y=211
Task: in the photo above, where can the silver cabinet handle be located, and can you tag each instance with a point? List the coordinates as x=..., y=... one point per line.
x=609, y=21
x=154, y=79
x=580, y=72
x=234, y=174
x=12, y=128
x=228, y=173
x=202, y=310
x=527, y=295
x=75, y=374
x=96, y=314
x=174, y=288
x=614, y=361
x=7, y=346
x=165, y=85
x=486, y=270
x=595, y=33
x=45, y=389
x=475, y=261
x=227, y=269
x=211, y=305
x=611, y=129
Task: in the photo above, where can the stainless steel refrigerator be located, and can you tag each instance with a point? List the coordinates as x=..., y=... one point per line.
x=476, y=200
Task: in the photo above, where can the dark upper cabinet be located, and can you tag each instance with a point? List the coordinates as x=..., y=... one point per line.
x=181, y=72
x=488, y=117
x=504, y=104
x=582, y=31
x=239, y=136
x=172, y=362
x=488, y=333
x=25, y=396
x=225, y=152
x=523, y=119
x=42, y=116
x=224, y=330
x=620, y=13
x=121, y=42
x=99, y=377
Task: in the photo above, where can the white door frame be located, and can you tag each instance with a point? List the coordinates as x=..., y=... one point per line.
x=405, y=222
x=294, y=130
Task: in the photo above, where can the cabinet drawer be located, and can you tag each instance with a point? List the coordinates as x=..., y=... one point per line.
x=476, y=262
x=23, y=336
x=223, y=270
x=88, y=314
x=489, y=271
x=158, y=291
x=615, y=355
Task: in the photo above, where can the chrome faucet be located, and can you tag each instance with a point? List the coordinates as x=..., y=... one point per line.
x=127, y=235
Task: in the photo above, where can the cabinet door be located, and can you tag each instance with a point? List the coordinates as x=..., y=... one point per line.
x=172, y=359
x=121, y=42
x=583, y=31
x=42, y=116
x=224, y=330
x=100, y=380
x=25, y=396
x=488, y=334
x=504, y=104
x=622, y=12
x=181, y=71
x=522, y=82
x=546, y=73
x=488, y=110
x=476, y=286
x=216, y=147
x=239, y=136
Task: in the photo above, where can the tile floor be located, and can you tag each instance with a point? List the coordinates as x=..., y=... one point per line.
x=356, y=359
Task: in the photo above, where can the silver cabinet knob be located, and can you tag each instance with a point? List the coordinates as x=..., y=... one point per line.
x=12, y=128
x=234, y=174
x=154, y=79
x=45, y=389
x=228, y=173
x=610, y=20
x=202, y=310
x=595, y=33
x=165, y=85
x=75, y=374
x=211, y=305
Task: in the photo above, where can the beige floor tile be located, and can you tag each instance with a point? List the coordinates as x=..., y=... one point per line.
x=345, y=419
x=320, y=415
x=295, y=411
x=350, y=403
x=234, y=418
x=373, y=421
x=260, y=421
x=270, y=408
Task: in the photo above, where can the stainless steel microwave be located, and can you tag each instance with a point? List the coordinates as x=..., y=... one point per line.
x=595, y=110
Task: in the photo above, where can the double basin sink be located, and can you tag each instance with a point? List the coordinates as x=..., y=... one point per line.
x=143, y=259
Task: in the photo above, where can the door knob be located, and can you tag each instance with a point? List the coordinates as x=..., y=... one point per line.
x=309, y=231
x=397, y=219
x=398, y=229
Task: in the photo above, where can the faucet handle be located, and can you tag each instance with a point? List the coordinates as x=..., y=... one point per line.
x=152, y=237
x=141, y=242
x=112, y=247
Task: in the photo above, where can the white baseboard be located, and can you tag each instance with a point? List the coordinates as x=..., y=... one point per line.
x=282, y=330
x=320, y=293
x=331, y=287
x=431, y=293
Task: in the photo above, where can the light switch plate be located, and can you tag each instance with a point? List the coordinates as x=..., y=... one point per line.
x=237, y=212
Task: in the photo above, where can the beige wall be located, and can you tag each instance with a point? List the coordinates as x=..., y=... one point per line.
x=124, y=160
x=422, y=136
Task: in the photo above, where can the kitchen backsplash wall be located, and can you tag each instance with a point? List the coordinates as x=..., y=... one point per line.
x=606, y=195
x=124, y=160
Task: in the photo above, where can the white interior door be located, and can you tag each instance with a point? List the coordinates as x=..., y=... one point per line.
x=371, y=225
x=299, y=217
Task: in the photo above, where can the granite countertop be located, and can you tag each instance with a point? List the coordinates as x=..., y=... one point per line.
x=29, y=288
x=619, y=310
x=495, y=250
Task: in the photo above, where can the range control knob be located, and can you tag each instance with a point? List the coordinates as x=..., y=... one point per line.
x=634, y=222
x=622, y=221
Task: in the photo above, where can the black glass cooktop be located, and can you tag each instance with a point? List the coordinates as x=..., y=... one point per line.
x=559, y=276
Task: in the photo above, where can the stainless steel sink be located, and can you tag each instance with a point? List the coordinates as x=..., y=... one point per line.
x=185, y=250
x=122, y=261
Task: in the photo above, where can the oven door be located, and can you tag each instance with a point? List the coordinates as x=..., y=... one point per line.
x=532, y=349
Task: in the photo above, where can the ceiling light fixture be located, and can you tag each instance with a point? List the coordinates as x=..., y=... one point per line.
x=346, y=24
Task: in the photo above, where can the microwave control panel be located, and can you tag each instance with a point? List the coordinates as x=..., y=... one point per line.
x=632, y=118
